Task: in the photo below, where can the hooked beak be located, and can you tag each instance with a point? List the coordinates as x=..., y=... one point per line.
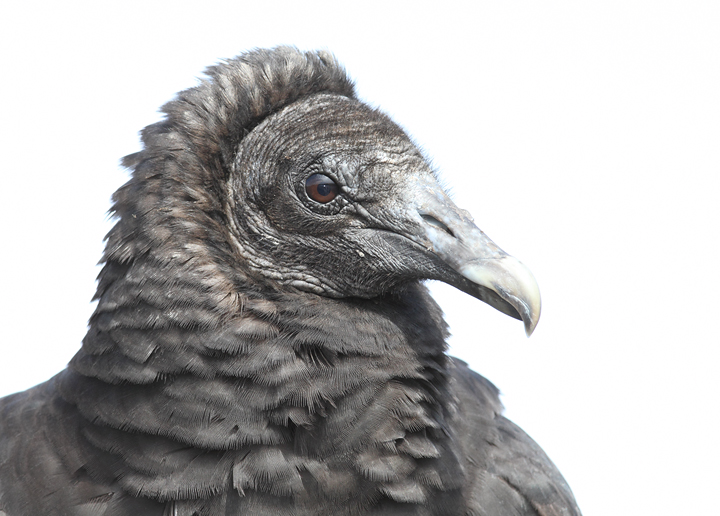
x=486, y=271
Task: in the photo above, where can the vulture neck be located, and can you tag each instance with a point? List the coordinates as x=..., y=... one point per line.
x=287, y=393
x=292, y=393
x=286, y=368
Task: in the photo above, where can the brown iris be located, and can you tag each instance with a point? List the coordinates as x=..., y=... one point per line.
x=321, y=188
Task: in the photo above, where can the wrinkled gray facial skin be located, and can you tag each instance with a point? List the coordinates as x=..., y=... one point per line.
x=391, y=222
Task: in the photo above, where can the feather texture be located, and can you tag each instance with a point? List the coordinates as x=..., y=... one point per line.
x=254, y=353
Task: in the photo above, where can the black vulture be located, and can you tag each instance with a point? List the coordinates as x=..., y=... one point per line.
x=263, y=342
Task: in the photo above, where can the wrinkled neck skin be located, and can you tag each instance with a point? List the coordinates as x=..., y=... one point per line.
x=288, y=394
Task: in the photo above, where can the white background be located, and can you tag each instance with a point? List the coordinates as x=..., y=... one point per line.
x=583, y=136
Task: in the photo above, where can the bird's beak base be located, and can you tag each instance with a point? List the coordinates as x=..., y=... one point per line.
x=486, y=271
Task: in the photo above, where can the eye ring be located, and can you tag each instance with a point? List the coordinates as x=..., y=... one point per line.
x=320, y=188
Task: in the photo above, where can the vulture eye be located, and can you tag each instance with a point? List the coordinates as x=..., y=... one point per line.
x=321, y=188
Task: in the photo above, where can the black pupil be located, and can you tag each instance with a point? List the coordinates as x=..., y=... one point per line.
x=325, y=189
x=320, y=188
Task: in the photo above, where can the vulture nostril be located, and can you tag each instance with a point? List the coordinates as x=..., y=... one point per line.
x=438, y=224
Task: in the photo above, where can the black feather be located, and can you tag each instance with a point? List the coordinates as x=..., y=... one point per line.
x=255, y=353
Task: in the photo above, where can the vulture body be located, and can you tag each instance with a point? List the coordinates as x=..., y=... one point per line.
x=262, y=343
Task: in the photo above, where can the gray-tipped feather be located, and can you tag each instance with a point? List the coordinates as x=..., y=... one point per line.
x=254, y=351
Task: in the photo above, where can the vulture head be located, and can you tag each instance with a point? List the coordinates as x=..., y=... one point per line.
x=303, y=186
x=261, y=342
x=330, y=196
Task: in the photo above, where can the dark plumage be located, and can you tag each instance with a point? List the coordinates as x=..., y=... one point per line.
x=262, y=343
